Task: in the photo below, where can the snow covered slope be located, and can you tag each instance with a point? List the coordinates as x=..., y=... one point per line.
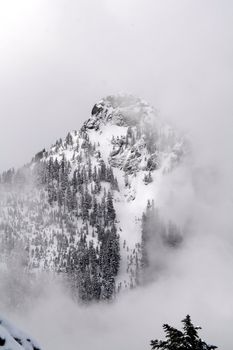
x=11, y=338
x=77, y=207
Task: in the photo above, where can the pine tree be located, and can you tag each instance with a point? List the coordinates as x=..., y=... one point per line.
x=144, y=242
x=75, y=182
x=188, y=339
x=102, y=171
x=111, y=214
x=69, y=139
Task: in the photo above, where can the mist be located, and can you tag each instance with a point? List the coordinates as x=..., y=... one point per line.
x=197, y=279
x=179, y=57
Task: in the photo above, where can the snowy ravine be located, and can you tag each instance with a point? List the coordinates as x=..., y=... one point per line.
x=77, y=207
x=12, y=338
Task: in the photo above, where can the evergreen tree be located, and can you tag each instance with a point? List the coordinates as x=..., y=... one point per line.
x=69, y=139
x=188, y=339
x=111, y=214
x=144, y=242
x=156, y=234
x=102, y=171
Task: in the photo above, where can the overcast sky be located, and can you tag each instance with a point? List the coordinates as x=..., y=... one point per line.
x=58, y=57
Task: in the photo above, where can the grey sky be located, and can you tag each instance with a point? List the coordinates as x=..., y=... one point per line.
x=58, y=57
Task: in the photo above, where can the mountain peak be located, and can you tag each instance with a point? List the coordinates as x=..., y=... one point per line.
x=120, y=109
x=88, y=194
x=126, y=132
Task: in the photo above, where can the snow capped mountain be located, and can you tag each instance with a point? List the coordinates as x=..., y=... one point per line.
x=11, y=338
x=77, y=208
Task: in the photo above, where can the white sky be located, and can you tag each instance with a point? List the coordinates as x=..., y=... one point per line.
x=58, y=57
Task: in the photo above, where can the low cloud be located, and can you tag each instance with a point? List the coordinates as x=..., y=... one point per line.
x=181, y=62
x=197, y=279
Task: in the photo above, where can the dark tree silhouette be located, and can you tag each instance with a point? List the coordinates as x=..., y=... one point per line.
x=188, y=339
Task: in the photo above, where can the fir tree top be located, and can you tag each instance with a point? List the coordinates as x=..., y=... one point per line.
x=188, y=339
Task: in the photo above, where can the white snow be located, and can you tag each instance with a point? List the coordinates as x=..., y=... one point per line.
x=12, y=338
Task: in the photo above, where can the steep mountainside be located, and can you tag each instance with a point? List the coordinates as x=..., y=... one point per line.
x=85, y=207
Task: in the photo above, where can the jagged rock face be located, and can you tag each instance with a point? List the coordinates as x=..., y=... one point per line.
x=81, y=214
x=121, y=110
x=141, y=139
